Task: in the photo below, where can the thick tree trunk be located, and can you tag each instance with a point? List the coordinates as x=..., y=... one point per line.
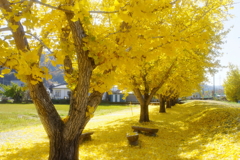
x=61, y=149
x=144, y=115
x=162, y=104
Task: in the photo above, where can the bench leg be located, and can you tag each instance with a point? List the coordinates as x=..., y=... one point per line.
x=133, y=143
x=85, y=138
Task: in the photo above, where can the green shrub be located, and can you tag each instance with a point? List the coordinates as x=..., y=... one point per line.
x=61, y=101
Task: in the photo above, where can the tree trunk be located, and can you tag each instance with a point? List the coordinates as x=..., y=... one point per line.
x=168, y=103
x=144, y=115
x=174, y=101
x=144, y=102
x=162, y=104
x=60, y=149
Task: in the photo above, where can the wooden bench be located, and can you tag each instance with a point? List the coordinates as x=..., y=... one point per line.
x=146, y=131
x=86, y=137
x=133, y=139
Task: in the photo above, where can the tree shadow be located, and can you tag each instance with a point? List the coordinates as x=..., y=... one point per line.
x=37, y=151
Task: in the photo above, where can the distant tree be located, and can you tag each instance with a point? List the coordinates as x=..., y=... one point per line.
x=232, y=84
x=14, y=91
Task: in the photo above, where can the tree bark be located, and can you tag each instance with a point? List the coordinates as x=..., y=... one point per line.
x=144, y=102
x=174, y=101
x=168, y=103
x=162, y=104
x=144, y=115
x=61, y=149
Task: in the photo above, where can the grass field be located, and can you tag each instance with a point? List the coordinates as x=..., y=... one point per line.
x=17, y=116
x=197, y=130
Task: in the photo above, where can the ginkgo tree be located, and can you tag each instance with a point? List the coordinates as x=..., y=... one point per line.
x=186, y=80
x=92, y=41
x=164, y=31
x=63, y=31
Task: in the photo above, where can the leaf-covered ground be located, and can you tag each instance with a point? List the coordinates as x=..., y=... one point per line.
x=195, y=130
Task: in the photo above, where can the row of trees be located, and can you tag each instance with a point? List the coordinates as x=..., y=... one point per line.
x=148, y=47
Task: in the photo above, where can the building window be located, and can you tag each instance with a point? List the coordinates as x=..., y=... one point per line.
x=57, y=93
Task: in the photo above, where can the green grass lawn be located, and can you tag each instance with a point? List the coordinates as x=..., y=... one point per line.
x=17, y=116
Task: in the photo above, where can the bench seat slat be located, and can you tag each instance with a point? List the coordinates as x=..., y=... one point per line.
x=148, y=131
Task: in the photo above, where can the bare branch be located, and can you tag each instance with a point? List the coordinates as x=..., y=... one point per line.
x=41, y=42
x=53, y=7
x=115, y=33
x=5, y=29
x=65, y=10
x=59, y=7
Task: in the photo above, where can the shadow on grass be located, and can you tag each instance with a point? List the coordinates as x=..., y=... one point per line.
x=37, y=151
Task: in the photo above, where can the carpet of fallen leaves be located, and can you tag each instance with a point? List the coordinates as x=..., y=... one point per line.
x=195, y=130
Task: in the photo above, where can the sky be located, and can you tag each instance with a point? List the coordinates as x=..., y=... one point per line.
x=231, y=48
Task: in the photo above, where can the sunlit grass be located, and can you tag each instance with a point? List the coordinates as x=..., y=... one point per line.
x=196, y=130
x=17, y=116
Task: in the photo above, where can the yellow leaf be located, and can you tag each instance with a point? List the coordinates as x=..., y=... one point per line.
x=91, y=109
x=87, y=114
x=6, y=71
x=65, y=119
x=34, y=82
x=91, y=115
x=13, y=27
x=17, y=18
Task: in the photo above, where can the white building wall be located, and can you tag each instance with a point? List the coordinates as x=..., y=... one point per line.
x=60, y=93
x=65, y=94
x=118, y=97
x=114, y=98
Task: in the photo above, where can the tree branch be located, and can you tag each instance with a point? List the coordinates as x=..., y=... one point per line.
x=53, y=7
x=65, y=10
x=138, y=94
x=167, y=74
x=41, y=42
x=5, y=29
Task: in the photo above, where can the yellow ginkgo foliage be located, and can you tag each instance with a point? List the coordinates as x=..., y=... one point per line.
x=98, y=43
